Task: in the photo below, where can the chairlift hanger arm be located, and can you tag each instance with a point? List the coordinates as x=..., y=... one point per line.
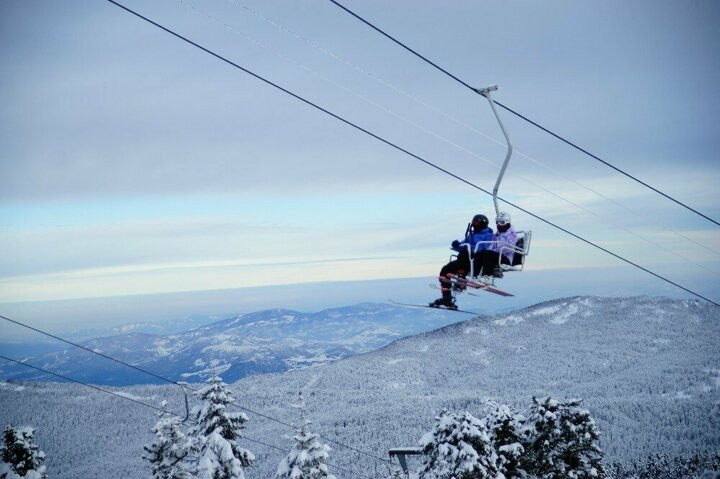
x=486, y=93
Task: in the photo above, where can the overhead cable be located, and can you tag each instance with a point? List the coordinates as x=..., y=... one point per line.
x=417, y=100
x=399, y=148
x=632, y=232
x=98, y=353
x=177, y=383
x=606, y=163
x=141, y=403
x=106, y=391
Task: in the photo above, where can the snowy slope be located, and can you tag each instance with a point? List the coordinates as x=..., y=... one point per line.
x=648, y=369
x=265, y=341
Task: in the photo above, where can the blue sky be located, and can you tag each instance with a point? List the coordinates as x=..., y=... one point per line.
x=135, y=164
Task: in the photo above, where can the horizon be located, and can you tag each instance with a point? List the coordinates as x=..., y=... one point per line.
x=73, y=315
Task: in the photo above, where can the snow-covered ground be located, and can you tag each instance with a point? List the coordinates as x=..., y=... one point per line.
x=647, y=368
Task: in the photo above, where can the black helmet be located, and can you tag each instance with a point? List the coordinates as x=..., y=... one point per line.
x=480, y=222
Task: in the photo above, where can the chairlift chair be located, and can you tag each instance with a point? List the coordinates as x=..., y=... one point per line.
x=521, y=248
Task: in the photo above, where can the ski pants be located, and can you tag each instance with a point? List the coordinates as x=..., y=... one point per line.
x=489, y=260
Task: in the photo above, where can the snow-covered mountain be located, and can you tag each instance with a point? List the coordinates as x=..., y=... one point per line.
x=265, y=341
x=162, y=327
x=648, y=370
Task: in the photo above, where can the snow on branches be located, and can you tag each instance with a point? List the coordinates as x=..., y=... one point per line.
x=561, y=440
x=216, y=434
x=168, y=452
x=308, y=457
x=556, y=440
x=21, y=457
x=459, y=447
x=505, y=427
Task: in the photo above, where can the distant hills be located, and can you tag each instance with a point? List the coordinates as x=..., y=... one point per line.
x=265, y=341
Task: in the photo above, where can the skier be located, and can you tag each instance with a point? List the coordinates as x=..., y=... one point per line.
x=491, y=257
x=477, y=232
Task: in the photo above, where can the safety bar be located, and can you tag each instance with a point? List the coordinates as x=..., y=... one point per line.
x=470, y=255
x=526, y=236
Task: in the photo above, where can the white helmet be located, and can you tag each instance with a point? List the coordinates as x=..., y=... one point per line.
x=502, y=218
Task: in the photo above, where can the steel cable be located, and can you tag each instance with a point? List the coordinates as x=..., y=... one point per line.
x=568, y=142
x=182, y=385
x=605, y=219
x=399, y=148
x=164, y=411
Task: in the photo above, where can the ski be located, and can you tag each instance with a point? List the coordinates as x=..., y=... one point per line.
x=493, y=289
x=435, y=286
x=458, y=281
x=440, y=308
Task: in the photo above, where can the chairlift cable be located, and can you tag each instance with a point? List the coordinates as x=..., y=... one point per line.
x=606, y=163
x=141, y=403
x=107, y=391
x=98, y=353
x=451, y=118
x=399, y=148
x=177, y=383
x=420, y=102
x=184, y=386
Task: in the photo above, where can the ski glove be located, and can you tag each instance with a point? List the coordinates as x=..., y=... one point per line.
x=455, y=244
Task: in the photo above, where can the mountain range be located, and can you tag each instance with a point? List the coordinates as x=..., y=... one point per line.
x=265, y=341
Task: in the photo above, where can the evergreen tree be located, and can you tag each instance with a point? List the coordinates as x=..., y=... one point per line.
x=169, y=450
x=505, y=428
x=216, y=435
x=21, y=457
x=561, y=441
x=307, y=459
x=459, y=447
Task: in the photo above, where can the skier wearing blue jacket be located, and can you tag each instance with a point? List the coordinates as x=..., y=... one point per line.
x=477, y=232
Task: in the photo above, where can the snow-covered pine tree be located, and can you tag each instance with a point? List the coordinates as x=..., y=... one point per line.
x=21, y=457
x=308, y=456
x=458, y=447
x=561, y=441
x=216, y=434
x=168, y=452
x=505, y=428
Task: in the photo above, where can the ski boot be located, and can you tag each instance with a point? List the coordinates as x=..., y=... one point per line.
x=487, y=280
x=444, y=302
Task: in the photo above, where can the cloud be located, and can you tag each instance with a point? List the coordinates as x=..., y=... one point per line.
x=162, y=278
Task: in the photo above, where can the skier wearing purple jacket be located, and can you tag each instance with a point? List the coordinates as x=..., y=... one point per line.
x=477, y=232
x=500, y=250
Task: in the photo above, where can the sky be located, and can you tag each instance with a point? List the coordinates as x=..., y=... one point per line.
x=133, y=163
